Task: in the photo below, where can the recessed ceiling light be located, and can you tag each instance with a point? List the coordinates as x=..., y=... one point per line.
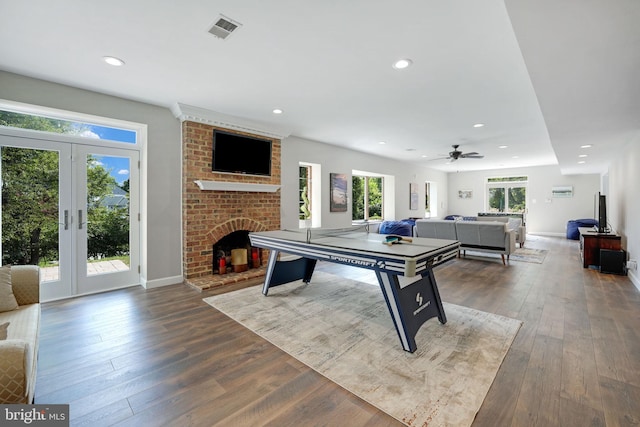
x=515, y=157
x=424, y=156
x=582, y=155
x=278, y=111
x=581, y=162
x=478, y=125
x=586, y=146
x=402, y=64
x=502, y=146
x=381, y=142
x=112, y=60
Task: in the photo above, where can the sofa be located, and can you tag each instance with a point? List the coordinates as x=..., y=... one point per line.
x=483, y=236
x=514, y=221
x=19, y=332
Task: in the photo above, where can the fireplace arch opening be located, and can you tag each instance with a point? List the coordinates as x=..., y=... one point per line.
x=234, y=254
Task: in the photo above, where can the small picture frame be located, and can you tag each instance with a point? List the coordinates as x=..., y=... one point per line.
x=562, y=191
x=465, y=194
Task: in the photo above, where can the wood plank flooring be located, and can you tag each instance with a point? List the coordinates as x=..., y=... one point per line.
x=138, y=357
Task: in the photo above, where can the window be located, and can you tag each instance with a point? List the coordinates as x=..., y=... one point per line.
x=60, y=125
x=305, y=192
x=367, y=197
x=431, y=199
x=507, y=194
x=309, y=192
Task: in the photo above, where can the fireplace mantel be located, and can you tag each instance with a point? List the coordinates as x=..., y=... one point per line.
x=236, y=186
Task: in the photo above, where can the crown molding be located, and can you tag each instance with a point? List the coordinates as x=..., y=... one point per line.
x=185, y=112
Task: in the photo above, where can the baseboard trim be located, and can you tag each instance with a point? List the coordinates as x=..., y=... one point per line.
x=546, y=233
x=633, y=276
x=158, y=283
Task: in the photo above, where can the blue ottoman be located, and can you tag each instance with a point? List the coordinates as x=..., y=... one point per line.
x=400, y=228
x=572, y=227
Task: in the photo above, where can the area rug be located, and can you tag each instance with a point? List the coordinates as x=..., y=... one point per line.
x=535, y=256
x=342, y=329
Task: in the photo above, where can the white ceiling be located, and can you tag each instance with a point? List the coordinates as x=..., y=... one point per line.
x=545, y=77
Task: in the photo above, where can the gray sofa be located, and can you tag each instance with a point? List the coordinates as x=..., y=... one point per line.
x=514, y=223
x=483, y=236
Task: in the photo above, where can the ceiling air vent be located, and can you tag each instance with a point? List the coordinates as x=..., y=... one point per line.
x=224, y=27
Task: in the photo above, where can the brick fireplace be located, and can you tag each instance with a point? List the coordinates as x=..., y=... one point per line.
x=221, y=204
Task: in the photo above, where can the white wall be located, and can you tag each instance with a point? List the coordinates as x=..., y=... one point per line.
x=161, y=169
x=546, y=215
x=333, y=159
x=623, y=202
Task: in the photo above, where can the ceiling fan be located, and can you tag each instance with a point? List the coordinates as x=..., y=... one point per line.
x=457, y=154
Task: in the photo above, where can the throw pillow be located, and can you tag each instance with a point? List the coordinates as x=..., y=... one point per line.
x=3, y=331
x=7, y=299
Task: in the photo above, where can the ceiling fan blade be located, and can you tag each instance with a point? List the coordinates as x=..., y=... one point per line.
x=472, y=156
x=439, y=158
x=471, y=153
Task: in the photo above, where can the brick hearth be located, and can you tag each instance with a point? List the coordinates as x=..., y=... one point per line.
x=209, y=215
x=215, y=281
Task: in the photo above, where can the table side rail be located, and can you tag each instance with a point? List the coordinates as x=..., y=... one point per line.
x=388, y=263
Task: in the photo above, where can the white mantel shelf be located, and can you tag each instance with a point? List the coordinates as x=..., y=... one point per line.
x=236, y=186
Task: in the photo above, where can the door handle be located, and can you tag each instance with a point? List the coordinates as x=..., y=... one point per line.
x=80, y=219
x=66, y=219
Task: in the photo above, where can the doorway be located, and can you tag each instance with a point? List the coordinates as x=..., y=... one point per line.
x=64, y=209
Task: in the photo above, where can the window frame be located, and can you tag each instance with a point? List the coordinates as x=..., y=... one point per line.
x=366, y=207
x=506, y=182
x=73, y=117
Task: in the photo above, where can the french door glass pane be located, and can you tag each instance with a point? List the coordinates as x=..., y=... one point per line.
x=517, y=199
x=108, y=211
x=30, y=209
x=496, y=199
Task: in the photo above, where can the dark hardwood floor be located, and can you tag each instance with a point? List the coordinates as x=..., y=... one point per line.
x=156, y=357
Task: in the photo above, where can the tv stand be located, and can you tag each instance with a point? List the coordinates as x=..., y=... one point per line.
x=591, y=242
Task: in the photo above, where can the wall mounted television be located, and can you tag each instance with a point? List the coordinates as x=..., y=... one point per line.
x=240, y=154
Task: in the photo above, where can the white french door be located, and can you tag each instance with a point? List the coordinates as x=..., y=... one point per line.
x=52, y=217
x=96, y=272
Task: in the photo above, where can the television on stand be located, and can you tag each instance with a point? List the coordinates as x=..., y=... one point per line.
x=600, y=207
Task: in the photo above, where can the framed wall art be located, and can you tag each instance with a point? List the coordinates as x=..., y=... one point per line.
x=338, y=192
x=413, y=196
x=465, y=194
x=562, y=191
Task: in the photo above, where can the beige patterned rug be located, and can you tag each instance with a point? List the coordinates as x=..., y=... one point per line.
x=342, y=329
x=535, y=256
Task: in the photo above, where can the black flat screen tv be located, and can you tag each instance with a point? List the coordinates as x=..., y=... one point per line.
x=600, y=207
x=234, y=153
